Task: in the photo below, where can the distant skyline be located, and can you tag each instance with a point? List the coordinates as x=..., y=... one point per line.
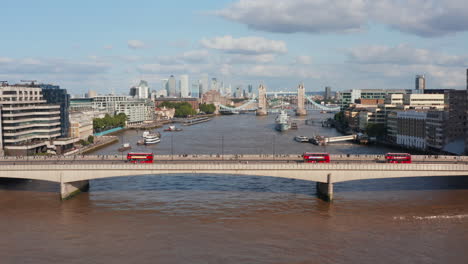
x=112, y=45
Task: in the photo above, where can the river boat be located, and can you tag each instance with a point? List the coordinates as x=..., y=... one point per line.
x=301, y=139
x=282, y=121
x=149, y=134
x=140, y=142
x=152, y=139
x=124, y=147
x=172, y=129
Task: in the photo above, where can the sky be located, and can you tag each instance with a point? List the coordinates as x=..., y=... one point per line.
x=108, y=46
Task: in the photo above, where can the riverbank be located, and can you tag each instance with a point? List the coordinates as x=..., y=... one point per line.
x=152, y=125
x=99, y=143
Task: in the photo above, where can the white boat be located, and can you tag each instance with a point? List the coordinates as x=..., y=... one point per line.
x=152, y=139
x=301, y=139
x=149, y=134
x=124, y=147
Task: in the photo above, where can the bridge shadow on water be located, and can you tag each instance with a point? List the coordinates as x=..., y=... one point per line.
x=230, y=183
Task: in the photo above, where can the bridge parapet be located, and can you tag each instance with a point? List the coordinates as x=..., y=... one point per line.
x=259, y=157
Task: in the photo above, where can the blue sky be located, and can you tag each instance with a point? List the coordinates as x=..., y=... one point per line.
x=110, y=45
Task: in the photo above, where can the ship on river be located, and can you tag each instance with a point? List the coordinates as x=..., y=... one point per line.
x=283, y=122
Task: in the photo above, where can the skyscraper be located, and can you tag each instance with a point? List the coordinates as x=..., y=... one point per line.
x=195, y=91
x=203, y=84
x=184, y=86
x=328, y=93
x=250, y=88
x=420, y=83
x=164, y=85
x=172, y=86
x=141, y=90
x=214, y=84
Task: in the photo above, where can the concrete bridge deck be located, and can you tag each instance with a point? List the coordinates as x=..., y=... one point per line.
x=74, y=175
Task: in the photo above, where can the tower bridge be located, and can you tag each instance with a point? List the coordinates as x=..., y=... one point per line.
x=73, y=173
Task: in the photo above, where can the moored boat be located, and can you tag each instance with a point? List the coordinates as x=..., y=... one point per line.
x=124, y=147
x=301, y=139
x=149, y=140
x=282, y=121
x=172, y=129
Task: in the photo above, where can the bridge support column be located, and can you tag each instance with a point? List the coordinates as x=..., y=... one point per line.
x=325, y=189
x=70, y=189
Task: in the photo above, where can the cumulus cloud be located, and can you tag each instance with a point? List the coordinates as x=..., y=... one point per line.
x=248, y=59
x=289, y=16
x=156, y=68
x=428, y=18
x=136, y=44
x=50, y=66
x=304, y=60
x=278, y=71
x=245, y=45
x=403, y=54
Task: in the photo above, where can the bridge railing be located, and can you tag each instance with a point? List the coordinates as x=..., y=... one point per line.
x=333, y=157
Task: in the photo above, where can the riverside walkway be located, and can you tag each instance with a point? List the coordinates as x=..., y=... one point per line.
x=74, y=172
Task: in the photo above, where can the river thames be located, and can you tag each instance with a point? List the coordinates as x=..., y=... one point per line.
x=225, y=219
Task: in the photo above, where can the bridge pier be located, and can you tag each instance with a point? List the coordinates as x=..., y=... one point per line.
x=325, y=189
x=70, y=189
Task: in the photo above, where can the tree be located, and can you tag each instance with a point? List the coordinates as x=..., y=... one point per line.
x=91, y=139
x=182, y=109
x=109, y=122
x=375, y=130
x=208, y=108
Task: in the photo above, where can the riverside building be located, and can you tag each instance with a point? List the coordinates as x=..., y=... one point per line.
x=29, y=123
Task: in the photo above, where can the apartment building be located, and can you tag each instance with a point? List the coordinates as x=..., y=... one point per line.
x=81, y=124
x=350, y=96
x=411, y=129
x=29, y=124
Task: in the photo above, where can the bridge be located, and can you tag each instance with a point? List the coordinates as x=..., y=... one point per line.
x=319, y=107
x=73, y=173
x=235, y=110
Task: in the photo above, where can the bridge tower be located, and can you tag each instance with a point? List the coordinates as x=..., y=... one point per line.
x=300, y=110
x=262, y=101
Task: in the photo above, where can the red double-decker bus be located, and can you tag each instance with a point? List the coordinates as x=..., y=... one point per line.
x=316, y=157
x=140, y=157
x=398, y=158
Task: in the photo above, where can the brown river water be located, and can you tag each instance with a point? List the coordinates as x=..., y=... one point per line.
x=236, y=219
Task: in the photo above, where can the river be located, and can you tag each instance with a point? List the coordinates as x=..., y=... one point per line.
x=224, y=219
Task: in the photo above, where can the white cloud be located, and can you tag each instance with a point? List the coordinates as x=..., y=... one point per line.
x=247, y=59
x=403, y=55
x=428, y=18
x=157, y=68
x=289, y=16
x=51, y=66
x=245, y=45
x=194, y=56
x=304, y=60
x=136, y=44
x=278, y=71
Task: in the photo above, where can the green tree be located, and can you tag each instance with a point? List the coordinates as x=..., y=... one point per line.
x=109, y=122
x=208, y=108
x=375, y=130
x=182, y=109
x=91, y=139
